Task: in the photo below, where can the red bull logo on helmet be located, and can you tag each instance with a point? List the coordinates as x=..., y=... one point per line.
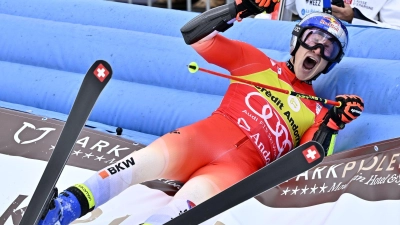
x=330, y=22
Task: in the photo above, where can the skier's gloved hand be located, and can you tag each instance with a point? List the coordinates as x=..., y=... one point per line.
x=351, y=108
x=68, y=206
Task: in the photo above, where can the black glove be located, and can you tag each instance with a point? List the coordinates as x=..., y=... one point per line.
x=351, y=108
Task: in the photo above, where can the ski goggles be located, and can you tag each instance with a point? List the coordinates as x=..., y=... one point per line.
x=314, y=38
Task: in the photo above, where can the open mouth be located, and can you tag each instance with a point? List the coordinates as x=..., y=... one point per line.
x=309, y=63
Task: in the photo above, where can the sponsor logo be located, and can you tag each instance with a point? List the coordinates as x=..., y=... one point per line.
x=330, y=22
x=308, y=11
x=45, y=130
x=117, y=167
x=338, y=177
x=294, y=103
x=355, y=111
x=273, y=98
x=101, y=72
x=88, y=194
x=172, y=183
x=271, y=121
x=314, y=2
x=99, y=147
x=311, y=154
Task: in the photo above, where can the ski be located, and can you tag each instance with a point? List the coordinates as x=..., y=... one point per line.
x=297, y=161
x=92, y=85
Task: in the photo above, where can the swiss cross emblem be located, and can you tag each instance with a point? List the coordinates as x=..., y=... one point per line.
x=311, y=154
x=101, y=72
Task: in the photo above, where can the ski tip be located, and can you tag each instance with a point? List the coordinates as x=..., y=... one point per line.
x=102, y=70
x=313, y=152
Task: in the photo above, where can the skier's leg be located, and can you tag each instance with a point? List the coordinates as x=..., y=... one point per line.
x=146, y=164
x=211, y=179
x=139, y=166
x=170, y=156
x=176, y=155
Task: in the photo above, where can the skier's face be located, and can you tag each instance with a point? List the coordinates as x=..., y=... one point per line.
x=308, y=63
x=329, y=46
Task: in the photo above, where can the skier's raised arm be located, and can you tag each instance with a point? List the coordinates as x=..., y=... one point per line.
x=222, y=18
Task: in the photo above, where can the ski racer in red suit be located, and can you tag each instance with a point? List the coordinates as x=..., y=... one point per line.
x=252, y=127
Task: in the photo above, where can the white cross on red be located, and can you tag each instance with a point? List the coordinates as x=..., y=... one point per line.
x=101, y=72
x=311, y=154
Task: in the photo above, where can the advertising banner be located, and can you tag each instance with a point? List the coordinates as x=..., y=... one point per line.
x=358, y=186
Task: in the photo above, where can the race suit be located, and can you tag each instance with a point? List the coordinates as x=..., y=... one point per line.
x=275, y=122
x=252, y=127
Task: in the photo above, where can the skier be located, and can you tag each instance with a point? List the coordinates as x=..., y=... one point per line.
x=252, y=127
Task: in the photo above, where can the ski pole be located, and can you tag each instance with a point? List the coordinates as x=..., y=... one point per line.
x=193, y=67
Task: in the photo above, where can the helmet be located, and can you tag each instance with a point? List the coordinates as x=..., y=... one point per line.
x=328, y=26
